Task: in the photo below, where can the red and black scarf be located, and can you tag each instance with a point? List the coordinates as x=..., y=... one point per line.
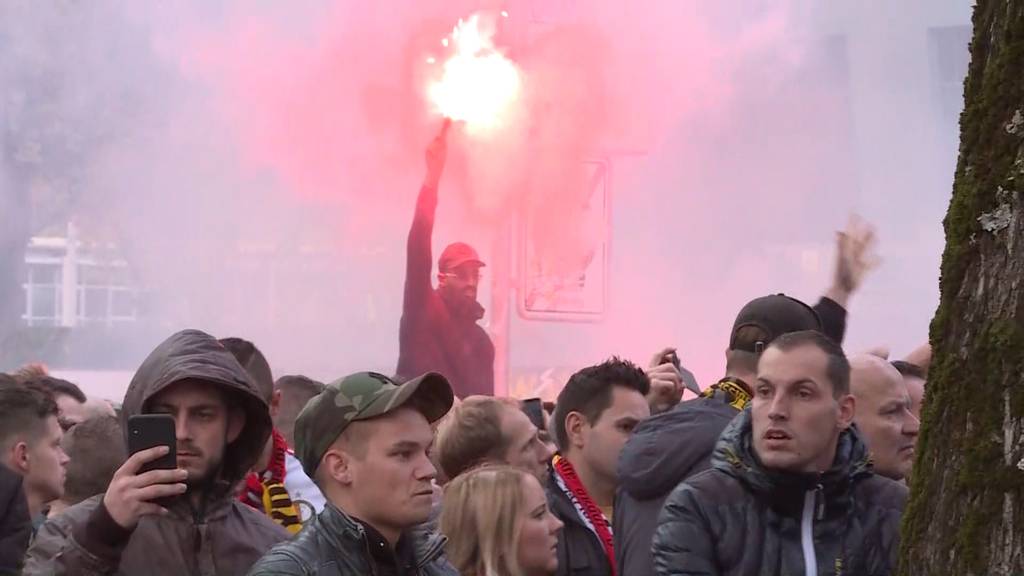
x=266, y=492
x=589, y=512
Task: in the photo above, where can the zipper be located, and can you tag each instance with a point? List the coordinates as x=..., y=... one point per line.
x=366, y=547
x=811, y=510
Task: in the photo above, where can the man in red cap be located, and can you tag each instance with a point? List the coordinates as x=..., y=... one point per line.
x=439, y=331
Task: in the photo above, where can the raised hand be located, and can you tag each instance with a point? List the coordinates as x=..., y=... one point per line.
x=130, y=494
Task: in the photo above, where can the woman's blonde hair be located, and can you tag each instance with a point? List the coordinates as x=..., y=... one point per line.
x=481, y=518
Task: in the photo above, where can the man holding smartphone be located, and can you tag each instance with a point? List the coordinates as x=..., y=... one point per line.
x=198, y=526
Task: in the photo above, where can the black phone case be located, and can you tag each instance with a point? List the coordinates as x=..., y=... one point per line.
x=148, y=430
x=534, y=410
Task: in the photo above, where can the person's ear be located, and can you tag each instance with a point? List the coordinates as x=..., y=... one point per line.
x=337, y=465
x=847, y=411
x=275, y=404
x=236, y=422
x=575, y=424
x=19, y=458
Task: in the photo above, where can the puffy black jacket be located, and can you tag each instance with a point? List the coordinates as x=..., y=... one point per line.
x=336, y=545
x=741, y=519
x=671, y=447
x=662, y=452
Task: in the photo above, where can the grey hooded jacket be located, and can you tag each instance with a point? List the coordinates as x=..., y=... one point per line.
x=224, y=538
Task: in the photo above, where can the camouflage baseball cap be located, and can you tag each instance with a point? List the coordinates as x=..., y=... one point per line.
x=362, y=396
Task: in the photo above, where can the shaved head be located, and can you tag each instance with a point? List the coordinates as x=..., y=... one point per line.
x=884, y=414
x=870, y=373
x=916, y=378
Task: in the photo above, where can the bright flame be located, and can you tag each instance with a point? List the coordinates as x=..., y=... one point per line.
x=479, y=85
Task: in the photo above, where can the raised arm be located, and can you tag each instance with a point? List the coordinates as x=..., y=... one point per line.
x=419, y=260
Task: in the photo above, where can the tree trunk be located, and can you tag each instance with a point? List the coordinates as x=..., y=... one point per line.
x=966, y=511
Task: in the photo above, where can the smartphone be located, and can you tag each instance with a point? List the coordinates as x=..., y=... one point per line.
x=150, y=430
x=534, y=410
x=673, y=358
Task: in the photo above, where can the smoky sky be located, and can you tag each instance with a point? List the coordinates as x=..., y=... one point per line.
x=257, y=163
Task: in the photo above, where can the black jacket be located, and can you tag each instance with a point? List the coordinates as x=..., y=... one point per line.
x=580, y=552
x=15, y=523
x=662, y=452
x=741, y=519
x=433, y=337
x=333, y=544
x=666, y=449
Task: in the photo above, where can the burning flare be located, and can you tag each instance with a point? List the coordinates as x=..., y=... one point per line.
x=478, y=84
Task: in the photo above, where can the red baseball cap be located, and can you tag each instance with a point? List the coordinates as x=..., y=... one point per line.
x=456, y=255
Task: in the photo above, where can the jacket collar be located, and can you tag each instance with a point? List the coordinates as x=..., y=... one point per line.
x=344, y=531
x=735, y=455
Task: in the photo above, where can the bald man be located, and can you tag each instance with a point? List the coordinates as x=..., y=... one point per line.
x=915, y=378
x=884, y=415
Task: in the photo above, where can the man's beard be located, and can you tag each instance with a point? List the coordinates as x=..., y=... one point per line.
x=207, y=478
x=210, y=472
x=461, y=305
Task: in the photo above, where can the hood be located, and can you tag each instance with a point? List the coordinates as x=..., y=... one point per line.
x=192, y=354
x=734, y=454
x=665, y=449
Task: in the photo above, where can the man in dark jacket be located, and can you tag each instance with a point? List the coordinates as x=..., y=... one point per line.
x=791, y=490
x=595, y=414
x=439, y=330
x=668, y=448
x=222, y=424
x=364, y=440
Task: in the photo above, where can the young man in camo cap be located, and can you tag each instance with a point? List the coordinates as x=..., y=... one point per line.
x=364, y=441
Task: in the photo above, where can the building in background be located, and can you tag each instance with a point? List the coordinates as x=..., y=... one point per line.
x=896, y=72
x=71, y=283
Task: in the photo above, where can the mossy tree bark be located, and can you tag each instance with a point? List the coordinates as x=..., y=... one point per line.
x=966, y=511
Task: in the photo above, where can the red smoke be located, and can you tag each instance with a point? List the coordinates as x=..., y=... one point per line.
x=329, y=101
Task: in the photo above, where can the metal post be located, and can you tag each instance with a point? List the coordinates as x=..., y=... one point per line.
x=501, y=294
x=69, y=279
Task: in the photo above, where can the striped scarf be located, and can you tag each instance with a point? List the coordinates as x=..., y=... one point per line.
x=589, y=512
x=737, y=395
x=266, y=492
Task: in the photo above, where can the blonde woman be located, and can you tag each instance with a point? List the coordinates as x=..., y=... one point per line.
x=498, y=524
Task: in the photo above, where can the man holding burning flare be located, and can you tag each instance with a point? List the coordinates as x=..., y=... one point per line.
x=439, y=330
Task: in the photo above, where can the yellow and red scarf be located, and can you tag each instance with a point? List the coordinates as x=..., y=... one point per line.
x=266, y=492
x=589, y=512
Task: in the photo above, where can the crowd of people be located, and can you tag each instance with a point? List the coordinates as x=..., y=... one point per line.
x=795, y=462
